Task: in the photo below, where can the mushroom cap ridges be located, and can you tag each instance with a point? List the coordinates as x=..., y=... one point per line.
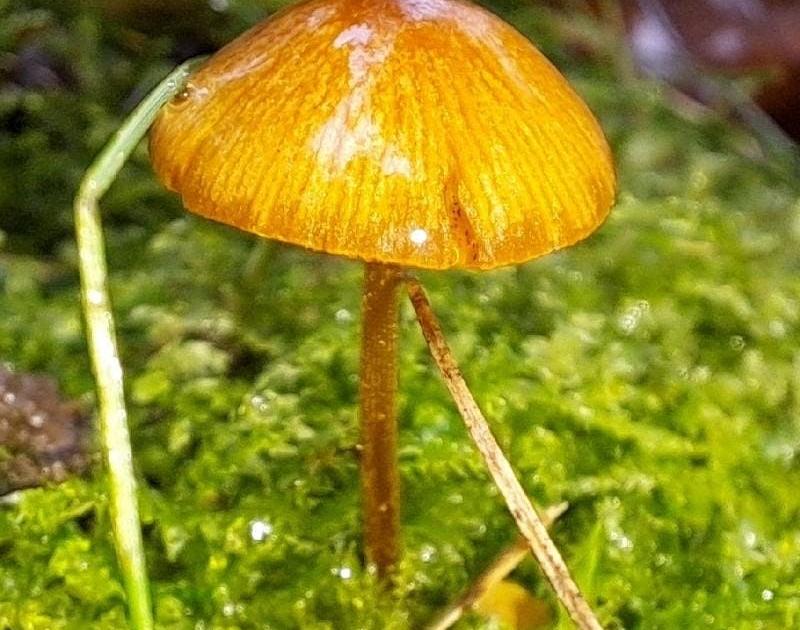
x=426, y=133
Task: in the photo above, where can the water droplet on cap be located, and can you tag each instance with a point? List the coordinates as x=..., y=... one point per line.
x=418, y=236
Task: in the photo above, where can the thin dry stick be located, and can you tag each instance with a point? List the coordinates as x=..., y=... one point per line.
x=504, y=564
x=528, y=521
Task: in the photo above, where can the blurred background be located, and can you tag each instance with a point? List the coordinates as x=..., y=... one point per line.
x=649, y=376
x=69, y=70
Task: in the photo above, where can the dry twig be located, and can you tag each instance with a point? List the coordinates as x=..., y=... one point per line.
x=496, y=572
x=528, y=521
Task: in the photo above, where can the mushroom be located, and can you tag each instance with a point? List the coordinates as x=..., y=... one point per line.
x=405, y=134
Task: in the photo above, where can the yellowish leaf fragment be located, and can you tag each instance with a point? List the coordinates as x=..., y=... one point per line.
x=514, y=607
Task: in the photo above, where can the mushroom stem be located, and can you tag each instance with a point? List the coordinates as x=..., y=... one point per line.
x=528, y=521
x=379, y=475
x=112, y=416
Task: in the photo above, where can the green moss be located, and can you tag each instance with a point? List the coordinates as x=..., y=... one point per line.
x=650, y=376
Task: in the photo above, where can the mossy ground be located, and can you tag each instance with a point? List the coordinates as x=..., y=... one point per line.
x=650, y=376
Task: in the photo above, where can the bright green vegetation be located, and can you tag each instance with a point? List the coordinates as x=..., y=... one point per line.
x=650, y=376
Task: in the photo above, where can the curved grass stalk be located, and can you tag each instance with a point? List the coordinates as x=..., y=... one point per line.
x=115, y=439
x=528, y=521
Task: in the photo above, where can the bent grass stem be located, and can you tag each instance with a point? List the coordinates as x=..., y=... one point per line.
x=112, y=415
x=528, y=521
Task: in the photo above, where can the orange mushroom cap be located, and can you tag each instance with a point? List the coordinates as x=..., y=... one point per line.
x=426, y=133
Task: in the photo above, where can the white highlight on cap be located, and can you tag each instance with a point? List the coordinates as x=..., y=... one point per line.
x=418, y=236
x=395, y=163
x=356, y=35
